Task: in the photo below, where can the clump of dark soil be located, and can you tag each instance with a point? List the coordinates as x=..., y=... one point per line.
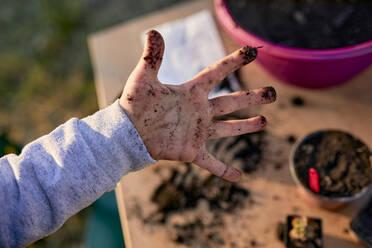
x=312, y=24
x=291, y=139
x=190, y=206
x=198, y=234
x=342, y=162
x=243, y=152
x=182, y=191
x=297, y=101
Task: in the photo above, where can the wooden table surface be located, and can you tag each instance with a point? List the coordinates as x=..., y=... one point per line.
x=114, y=54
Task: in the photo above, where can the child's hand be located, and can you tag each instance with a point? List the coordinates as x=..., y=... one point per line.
x=175, y=121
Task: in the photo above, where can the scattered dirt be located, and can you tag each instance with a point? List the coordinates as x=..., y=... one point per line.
x=183, y=191
x=342, y=162
x=291, y=139
x=297, y=101
x=190, y=206
x=312, y=24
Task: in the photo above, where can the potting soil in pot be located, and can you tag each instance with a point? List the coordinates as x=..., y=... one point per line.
x=312, y=24
x=342, y=162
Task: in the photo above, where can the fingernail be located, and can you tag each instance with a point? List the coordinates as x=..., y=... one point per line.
x=269, y=93
x=263, y=121
x=235, y=175
x=249, y=54
x=152, y=31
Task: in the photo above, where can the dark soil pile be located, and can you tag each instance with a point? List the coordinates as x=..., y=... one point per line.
x=342, y=162
x=186, y=194
x=297, y=101
x=182, y=191
x=193, y=207
x=312, y=24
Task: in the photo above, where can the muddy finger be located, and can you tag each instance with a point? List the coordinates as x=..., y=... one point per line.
x=238, y=100
x=220, y=129
x=153, y=52
x=215, y=73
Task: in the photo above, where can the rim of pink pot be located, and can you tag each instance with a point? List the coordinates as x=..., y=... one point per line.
x=242, y=35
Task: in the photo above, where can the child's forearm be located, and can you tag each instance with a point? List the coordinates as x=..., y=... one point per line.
x=66, y=170
x=62, y=172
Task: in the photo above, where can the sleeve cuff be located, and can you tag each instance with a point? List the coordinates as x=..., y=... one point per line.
x=123, y=140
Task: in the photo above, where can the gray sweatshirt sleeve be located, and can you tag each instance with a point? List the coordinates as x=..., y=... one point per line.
x=63, y=172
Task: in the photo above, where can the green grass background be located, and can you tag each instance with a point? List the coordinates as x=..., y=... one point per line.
x=46, y=75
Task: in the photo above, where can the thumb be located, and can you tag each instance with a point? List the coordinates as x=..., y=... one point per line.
x=153, y=52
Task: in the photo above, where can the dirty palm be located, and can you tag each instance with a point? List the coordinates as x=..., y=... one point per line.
x=174, y=121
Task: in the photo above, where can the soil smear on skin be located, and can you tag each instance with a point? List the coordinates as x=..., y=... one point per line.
x=192, y=206
x=312, y=24
x=342, y=162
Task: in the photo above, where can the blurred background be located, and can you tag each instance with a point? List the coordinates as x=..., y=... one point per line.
x=46, y=78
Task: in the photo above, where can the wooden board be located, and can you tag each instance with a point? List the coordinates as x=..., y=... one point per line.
x=114, y=54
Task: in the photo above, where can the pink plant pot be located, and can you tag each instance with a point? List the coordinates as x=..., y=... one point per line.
x=306, y=68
